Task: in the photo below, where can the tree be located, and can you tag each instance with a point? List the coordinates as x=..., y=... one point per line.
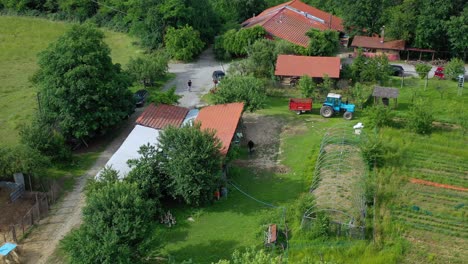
x=168, y=97
x=116, y=219
x=42, y=137
x=375, y=69
x=326, y=86
x=262, y=57
x=191, y=159
x=183, y=43
x=454, y=68
x=322, y=43
x=363, y=16
x=420, y=118
x=247, y=89
x=236, y=42
x=358, y=66
x=23, y=159
x=423, y=70
x=82, y=92
x=79, y=9
x=457, y=31
x=307, y=86
x=401, y=20
x=148, y=69
x=146, y=173
x=430, y=26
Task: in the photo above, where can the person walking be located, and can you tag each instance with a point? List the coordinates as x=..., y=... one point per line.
x=189, y=85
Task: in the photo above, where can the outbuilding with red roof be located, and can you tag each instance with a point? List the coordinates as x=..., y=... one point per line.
x=291, y=21
x=315, y=67
x=224, y=119
x=375, y=46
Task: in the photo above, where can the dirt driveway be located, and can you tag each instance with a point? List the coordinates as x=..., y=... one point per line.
x=41, y=243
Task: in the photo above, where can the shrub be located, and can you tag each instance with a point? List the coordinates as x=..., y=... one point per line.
x=322, y=43
x=379, y=116
x=422, y=69
x=245, y=89
x=235, y=42
x=420, y=118
x=183, y=43
x=361, y=94
x=42, y=137
x=454, y=68
x=168, y=97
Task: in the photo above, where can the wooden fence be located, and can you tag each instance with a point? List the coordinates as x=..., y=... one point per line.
x=38, y=211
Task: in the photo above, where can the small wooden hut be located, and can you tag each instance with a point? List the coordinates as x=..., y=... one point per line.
x=384, y=94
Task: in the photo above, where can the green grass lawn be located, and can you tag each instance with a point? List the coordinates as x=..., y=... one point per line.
x=21, y=38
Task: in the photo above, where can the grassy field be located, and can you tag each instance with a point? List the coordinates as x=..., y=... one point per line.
x=21, y=38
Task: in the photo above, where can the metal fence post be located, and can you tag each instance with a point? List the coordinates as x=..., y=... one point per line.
x=13, y=233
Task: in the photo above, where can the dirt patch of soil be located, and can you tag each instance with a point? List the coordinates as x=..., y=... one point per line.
x=265, y=132
x=11, y=213
x=438, y=185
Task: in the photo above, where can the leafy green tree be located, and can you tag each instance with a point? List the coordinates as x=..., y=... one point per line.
x=401, y=20
x=107, y=176
x=363, y=16
x=82, y=92
x=247, y=89
x=326, y=86
x=323, y=43
x=376, y=69
x=79, y=9
x=373, y=151
x=262, y=57
x=115, y=220
x=146, y=173
x=252, y=256
x=358, y=66
x=183, y=43
x=235, y=42
x=457, y=31
x=42, y=137
x=420, y=118
x=430, y=28
x=148, y=69
x=191, y=159
x=307, y=86
x=454, y=68
x=22, y=159
x=423, y=69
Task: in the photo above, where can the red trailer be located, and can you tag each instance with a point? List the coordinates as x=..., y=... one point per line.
x=300, y=105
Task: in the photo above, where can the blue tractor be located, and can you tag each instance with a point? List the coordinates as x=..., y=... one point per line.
x=334, y=105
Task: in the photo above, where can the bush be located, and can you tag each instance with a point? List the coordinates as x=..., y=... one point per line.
x=322, y=43
x=251, y=256
x=379, y=116
x=422, y=69
x=183, y=43
x=360, y=94
x=262, y=58
x=168, y=97
x=454, y=68
x=245, y=89
x=42, y=137
x=420, y=118
x=22, y=159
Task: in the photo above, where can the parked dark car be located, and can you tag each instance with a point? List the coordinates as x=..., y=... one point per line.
x=140, y=97
x=217, y=76
x=397, y=70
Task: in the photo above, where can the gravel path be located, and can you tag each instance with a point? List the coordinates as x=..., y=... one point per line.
x=66, y=214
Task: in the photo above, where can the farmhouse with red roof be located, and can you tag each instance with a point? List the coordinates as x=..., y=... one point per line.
x=291, y=20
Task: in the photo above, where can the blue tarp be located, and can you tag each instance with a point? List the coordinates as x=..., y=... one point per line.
x=191, y=115
x=7, y=248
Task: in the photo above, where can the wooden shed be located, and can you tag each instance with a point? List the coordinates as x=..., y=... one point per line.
x=384, y=94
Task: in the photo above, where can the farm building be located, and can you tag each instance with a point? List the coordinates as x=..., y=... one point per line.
x=146, y=131
x=291, y=20
x=225, y=119
x=375, y=46
x=315, y=67
x=384, y=94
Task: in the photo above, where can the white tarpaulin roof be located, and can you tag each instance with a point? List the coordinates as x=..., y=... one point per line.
x=139, y=136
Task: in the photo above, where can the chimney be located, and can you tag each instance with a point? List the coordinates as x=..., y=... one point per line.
x=329, y=25
x=382, y=35
x=253, y=15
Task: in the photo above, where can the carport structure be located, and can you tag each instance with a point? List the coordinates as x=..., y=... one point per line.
x=384, y=94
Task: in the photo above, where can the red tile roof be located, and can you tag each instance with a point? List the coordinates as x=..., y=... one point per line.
x=291, y=20
x=374, y=43
x=223, y=119
x=292, y=65
x=162, y=116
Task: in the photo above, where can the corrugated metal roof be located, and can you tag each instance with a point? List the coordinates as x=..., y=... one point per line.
x=291, y=21
x=374, y=43
x=292, y=65
x=385, y=92
x=161, y=116
x=139, y=136
x=223, y=119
